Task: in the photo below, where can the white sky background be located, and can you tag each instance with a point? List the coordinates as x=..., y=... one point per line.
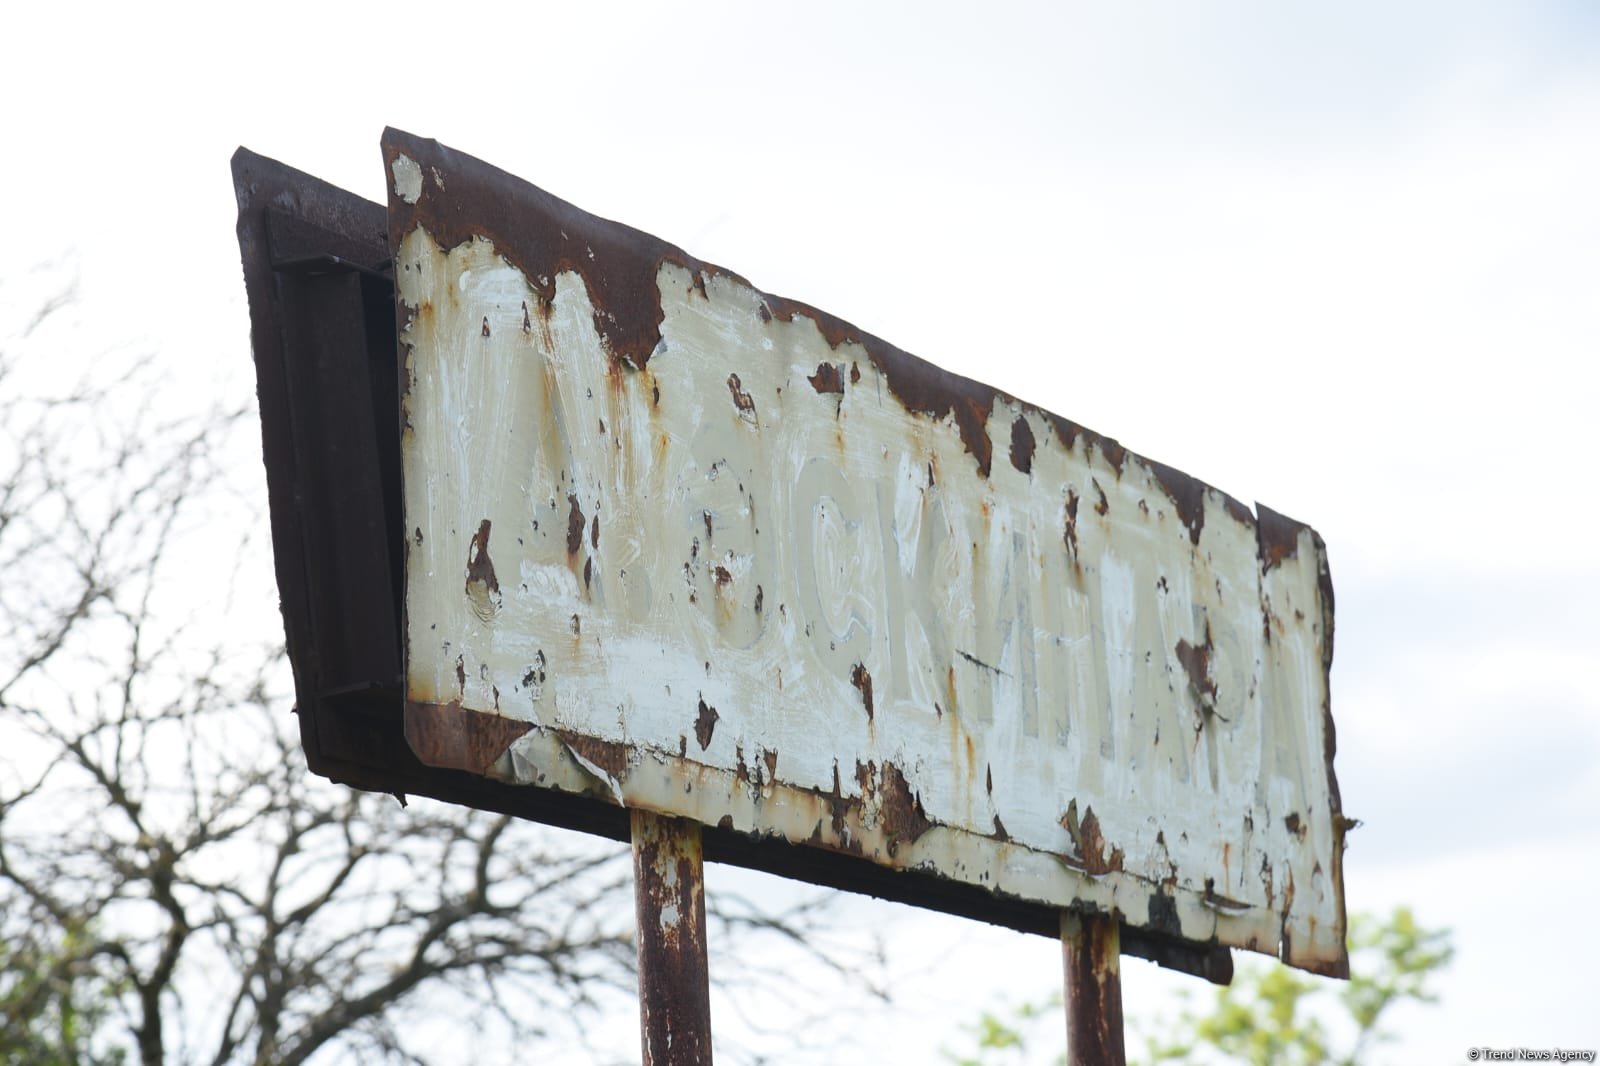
x=1343, y=260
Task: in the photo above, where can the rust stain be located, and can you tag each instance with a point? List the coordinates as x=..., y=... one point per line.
x=921, y=387
x=1022, y=445
x=741, y=399
x=1089, y=843
x=451, y=737
x=574, y=524
x=546, y=308
x=1238, y=511
x=543, y=237
x=1112, y=449
x=867, y=777
x=1067, y=431
x=828, y=379
x=1098, y=858
x=1187, y=494
x=863, y=683
x=674, y=982
x=705, y=723
x=900, y=810
x=1277, y=537
x=1069, y=531
x=937, y=393
x=609, y=756
x=1196, y=662
x=480, y=568
x=1092, y=946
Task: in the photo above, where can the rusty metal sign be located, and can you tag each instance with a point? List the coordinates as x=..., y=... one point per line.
x=678, y=545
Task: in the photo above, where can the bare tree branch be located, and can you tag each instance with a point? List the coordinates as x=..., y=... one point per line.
x=163, y=851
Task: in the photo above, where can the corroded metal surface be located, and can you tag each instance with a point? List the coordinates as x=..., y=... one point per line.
x=716, y=554
x=1092, y=958
x=674, y=975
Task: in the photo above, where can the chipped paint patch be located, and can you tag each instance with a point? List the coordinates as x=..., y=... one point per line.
x=408, y=178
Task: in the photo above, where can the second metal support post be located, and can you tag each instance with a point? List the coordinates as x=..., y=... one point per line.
x=1092, y=950
x=674, y=978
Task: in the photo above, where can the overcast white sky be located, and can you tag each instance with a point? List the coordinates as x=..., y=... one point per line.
x=1343, y=260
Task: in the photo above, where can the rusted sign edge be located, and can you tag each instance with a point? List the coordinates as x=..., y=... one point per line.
x=1278, y=538
x=870, y=813
x=542, y=236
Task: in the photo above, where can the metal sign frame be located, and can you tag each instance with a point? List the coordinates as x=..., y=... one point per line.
x=315, y=260
x=329, y=321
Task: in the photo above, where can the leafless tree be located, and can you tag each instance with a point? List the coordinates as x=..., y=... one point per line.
x=174, y=886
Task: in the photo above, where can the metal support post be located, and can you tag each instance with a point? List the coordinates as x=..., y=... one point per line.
x=1092, y=947
x=674, y=978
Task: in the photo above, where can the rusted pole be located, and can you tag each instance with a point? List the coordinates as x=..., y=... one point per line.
x=674, y=979
x=1092, y=946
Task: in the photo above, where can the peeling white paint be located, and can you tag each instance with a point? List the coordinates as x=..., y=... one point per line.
x=662, y=544
x=408, y=178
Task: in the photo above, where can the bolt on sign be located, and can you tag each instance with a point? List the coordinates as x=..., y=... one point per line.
x=669, y=543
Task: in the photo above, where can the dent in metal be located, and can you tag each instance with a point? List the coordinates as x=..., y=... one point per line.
x=772, y=570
